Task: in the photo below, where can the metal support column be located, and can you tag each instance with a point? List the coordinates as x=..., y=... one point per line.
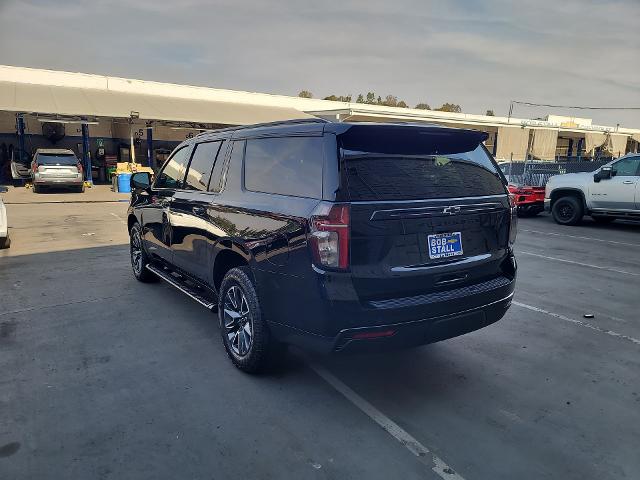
x=150, y=162
x=495, y=144
x=132, y=146
x=21, y=152
x=86, y=158
x=579, y=149
x=570, y=148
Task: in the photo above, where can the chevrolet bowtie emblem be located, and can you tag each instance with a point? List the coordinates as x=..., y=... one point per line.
x=451, y=210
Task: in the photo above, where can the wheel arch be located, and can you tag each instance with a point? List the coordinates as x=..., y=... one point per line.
x=569, y=192
x=226, y=259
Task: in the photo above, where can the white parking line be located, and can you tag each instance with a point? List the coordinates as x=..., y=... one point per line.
x=599, y=267
x=613, y=242
x=427, y=457
x=578, y=322
x=118, y=217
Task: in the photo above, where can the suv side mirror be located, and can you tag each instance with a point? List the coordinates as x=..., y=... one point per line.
x=140, y=181
x=604, y=173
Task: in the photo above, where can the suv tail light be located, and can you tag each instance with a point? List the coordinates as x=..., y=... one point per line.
x=79, y=167
x=329, y=236
x=34, y=167
x=513, y=225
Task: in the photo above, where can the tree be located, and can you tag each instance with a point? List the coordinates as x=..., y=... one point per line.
x=360, y=98
x=305, y=94
x=423, y=106
x=490, y=113
x=390, y=101
x=402, y=104
x=371, y=98
x=341, y=98
x=450, y=107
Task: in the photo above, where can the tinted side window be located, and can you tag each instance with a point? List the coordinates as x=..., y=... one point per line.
x=627, y=167
x=202, y=162
x=173, y=172
x=286, y=166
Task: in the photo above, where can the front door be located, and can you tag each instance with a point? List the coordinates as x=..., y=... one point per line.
x=156, y=217
x=619, y=191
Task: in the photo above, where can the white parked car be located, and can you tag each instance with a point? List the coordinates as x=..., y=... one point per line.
x=4, y=226
x=612, y=191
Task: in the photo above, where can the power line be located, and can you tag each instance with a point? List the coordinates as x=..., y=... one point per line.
x=576, y=107
x=531, y=104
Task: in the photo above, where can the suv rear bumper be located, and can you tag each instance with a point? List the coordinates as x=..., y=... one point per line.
x=303, y=312
x=397, y=335
x=59, y=182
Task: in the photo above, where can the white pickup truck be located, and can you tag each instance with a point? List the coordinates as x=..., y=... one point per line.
x=612, y=191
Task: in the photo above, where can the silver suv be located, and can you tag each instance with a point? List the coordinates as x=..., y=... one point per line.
x=612, y=191
x=56, y=168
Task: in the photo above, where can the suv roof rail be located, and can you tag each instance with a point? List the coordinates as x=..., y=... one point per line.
x=266, y=124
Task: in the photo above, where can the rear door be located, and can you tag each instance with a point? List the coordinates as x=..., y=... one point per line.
x=194, y=234
x=429, y=210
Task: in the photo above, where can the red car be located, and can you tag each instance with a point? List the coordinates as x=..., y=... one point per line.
x=530, y=200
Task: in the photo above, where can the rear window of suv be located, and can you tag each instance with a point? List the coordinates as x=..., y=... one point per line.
x=58, y=159
x=415, y=164
x=284, y=165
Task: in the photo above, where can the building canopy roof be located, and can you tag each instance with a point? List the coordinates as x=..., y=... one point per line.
x=94, y=102
x=51, y=92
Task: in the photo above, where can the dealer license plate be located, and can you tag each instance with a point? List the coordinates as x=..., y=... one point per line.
x=442, y=245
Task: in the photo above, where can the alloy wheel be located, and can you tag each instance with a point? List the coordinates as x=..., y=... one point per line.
x=237, y=321
x=565, y=211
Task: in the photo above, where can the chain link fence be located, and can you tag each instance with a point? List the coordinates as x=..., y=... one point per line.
x=537, y=174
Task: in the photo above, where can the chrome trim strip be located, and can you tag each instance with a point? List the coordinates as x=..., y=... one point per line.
x=378, y=202
x=424, y=211
x=475, y=258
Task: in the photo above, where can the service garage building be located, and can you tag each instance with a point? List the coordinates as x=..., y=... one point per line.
x=110, y=119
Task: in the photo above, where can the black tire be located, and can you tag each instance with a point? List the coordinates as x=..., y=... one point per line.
x=80, y=189
x=567, y=211
x=602, y=219
x=138, y=255
x=36, y=189
x=245, y=334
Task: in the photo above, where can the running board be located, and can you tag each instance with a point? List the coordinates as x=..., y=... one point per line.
x=183, y=287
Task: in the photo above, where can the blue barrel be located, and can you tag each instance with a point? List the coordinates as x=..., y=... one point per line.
x=124, y=182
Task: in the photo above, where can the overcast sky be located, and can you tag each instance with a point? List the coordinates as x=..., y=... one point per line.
x=479, y=54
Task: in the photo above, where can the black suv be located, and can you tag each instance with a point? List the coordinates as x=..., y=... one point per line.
x=332, y=236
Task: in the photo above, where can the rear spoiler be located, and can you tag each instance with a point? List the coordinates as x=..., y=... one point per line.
x=406, y=139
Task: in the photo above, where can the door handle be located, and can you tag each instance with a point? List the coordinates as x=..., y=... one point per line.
x=628, y=182
x=198, y=210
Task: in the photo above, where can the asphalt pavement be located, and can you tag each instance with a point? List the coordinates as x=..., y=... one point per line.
x=104, y=377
